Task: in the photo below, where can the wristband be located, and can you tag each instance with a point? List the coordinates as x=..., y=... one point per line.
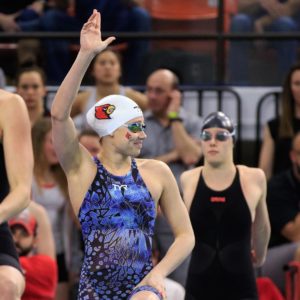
x=173, y=115
x=175, y=120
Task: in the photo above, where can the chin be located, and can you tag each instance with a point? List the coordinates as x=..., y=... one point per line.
x=214, y=163
x=135, y=153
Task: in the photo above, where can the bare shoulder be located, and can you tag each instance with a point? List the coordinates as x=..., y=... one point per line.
x=190, y=175
x=9, y=99
x=249, y=174
x=11, y=104
x=153, y=166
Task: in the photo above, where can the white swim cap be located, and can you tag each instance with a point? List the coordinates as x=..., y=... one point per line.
x=111, y=112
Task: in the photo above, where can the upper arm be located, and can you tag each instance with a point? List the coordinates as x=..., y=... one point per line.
x=172, y=204
x=261, y=208
x=66, y=144
x=261, y=221
x=188, y=190
x=266, y=155
x=16, y=128
x=261, y=226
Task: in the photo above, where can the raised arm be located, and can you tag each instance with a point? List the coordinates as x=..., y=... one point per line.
x=15, y=131
x=261, y=226
x=64, y=133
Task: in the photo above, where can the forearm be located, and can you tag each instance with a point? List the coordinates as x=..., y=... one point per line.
x=291, y=230
x=17, y=200
x=260, y=244
x=45, y=242
x=67, y=92
x=188, y=149
x=176, y=254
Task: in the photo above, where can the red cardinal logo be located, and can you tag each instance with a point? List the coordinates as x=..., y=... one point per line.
x=104, y=111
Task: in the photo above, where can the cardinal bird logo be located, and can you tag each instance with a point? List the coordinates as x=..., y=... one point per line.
x=104, y=111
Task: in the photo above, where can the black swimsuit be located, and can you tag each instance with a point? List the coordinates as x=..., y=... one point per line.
x=221, y=266
x=8, y=253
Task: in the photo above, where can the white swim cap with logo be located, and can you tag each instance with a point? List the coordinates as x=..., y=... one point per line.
x=111, y=112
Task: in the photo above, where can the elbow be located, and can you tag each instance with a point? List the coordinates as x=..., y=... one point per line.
x=190, y=241
x=260, y=261
x=26, y=197
x=55, y=114
x=58, y=113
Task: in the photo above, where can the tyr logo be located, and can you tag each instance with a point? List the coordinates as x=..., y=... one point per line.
x=119, y=187
x=103, y=112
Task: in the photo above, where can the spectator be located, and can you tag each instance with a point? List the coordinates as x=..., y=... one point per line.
x=90, y=140
x=49, y=189
x=54, y=18
x=106, y=70
x=33, y=237
x=283, y=198
x=278, y=133
x=263, y=16
x=172, y=137
x=16, y=10
x=31, y=86
x=27, y=11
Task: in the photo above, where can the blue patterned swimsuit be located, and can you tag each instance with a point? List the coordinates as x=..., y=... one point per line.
x=117, y=218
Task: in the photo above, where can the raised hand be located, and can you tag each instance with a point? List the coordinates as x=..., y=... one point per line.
x=90, y=36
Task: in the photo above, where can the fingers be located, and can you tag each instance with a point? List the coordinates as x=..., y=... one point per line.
x=92, y=21
x=98, y=20
x=93, y=16
x=109, y=40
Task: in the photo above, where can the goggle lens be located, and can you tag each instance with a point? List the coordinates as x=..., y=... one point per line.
x=136, y=127
x=221, y=136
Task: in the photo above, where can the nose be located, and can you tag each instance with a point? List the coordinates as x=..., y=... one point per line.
x=142, y=135
x=213, y=140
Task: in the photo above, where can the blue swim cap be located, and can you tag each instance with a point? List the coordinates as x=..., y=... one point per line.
x=219, y=120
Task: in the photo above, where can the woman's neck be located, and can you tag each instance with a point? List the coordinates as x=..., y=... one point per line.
x=35, y=114
x=116, y=164
x=104, y=90
x=45, y=177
